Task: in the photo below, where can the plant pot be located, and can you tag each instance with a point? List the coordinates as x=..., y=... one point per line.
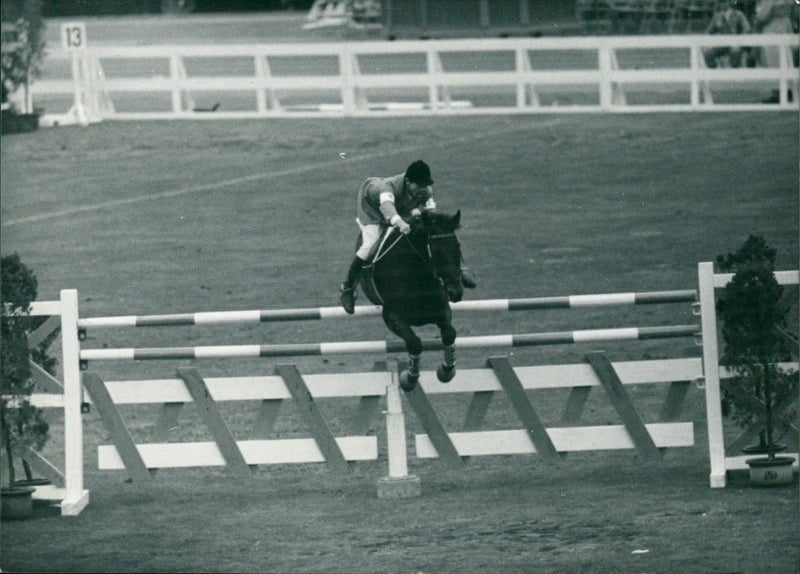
x=33, y=482
x=17, y=502
x=771, y=471
x=763, y=449
x=14, y=123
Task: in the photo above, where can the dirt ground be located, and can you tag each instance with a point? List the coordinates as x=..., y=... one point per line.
x=181, y=216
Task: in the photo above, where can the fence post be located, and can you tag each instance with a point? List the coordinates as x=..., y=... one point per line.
x=177, y=75
x=348, y=70
x=76, y=497
x=398, y=484
x=611, y=96
x=708, y=321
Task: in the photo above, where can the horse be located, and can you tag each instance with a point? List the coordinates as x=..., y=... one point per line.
x=415, y=277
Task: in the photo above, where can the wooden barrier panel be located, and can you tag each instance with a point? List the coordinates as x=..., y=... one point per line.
x=140, y=460
x=646, y=438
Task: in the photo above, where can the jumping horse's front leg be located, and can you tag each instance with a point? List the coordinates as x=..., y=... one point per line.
x=447, y=370
x=397, y=325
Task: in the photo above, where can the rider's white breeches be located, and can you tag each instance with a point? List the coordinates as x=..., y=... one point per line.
x=370, y=234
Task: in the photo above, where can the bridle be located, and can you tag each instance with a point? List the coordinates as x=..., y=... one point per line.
x=430, y=260
x=382, y=252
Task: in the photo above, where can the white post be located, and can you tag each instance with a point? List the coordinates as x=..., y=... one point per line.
x=76, y=497
x=784, y=63
x=398, y=484
x=73, y=40
x=261, y=91
x=346, y=68
x=694, y=66
x=177, y=76
x=522, y=66
x=708, y=322
x=78, y=87
x=604, y=65
x=395, y=431
x=434, y=67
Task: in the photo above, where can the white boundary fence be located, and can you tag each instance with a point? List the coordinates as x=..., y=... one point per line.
x=478, y=76
x=648, y=439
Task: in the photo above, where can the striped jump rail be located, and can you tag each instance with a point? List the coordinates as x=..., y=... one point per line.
x=304, y=349
x=318, y=313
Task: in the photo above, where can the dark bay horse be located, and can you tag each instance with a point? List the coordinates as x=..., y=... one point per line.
x=415, y=277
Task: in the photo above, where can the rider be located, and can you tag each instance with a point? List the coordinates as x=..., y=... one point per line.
x=382, y=200
x=390, y=200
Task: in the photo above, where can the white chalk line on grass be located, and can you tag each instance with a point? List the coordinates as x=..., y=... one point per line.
x=255, y=177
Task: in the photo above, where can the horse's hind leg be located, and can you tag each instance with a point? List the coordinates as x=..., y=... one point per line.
x=447, y=370
x=409, y=377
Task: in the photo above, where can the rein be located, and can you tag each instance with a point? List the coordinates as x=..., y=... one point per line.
x=428, y=260
x=381, y=254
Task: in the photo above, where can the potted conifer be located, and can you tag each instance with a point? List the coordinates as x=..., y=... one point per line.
x=22, y=58
x=22, y=425
x=760, y=395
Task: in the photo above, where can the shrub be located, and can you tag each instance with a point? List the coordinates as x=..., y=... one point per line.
x=22, y=425
x=753, y=311
x=22, y=60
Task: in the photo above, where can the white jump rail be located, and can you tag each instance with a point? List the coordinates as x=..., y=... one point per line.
x=68, y=484
x=708, y=283
x=314, y=313
x=391, y=346
x=349, y=72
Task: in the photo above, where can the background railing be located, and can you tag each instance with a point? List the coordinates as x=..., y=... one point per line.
x=497, y=76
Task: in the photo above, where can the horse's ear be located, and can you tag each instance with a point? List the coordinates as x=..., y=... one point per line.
x=457, y=218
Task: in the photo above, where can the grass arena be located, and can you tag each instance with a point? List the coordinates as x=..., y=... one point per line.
x=147, y=218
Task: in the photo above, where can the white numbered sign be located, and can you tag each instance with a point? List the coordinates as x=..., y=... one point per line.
x=73, y=36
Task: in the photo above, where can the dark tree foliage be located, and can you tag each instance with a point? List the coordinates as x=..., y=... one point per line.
x=22, y=63
x=22, y=424
x=753, y=312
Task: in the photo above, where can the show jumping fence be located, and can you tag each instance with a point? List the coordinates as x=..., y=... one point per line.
x=449, y=77
x=649, y=439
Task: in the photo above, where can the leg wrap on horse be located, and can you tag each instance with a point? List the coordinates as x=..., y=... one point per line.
x=449, y=355
x=413, y=365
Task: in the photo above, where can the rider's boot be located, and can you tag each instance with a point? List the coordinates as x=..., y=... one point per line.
x=468, y=278
x=348, y=289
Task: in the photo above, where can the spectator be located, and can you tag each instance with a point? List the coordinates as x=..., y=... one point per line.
x=727, y=19
x=774, y=17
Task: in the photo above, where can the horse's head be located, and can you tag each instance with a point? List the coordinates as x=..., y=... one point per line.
x=445, y=250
